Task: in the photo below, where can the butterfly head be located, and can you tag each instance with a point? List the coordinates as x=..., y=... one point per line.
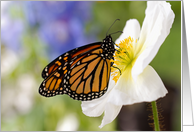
x=108, y=39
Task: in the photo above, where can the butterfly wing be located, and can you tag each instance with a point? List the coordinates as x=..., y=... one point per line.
x=88, y=76
x=82, y=73
x=54, y=65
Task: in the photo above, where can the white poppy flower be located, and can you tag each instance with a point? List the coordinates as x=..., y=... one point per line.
x=138, y=81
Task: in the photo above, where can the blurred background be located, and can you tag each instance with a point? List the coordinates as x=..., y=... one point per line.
x=33, y=33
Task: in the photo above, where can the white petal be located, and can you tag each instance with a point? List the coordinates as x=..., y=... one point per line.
x=94, y=108
x=111, y=112
x=97, y=106
x=132, y=28
x=156, y=27
x=147, y=88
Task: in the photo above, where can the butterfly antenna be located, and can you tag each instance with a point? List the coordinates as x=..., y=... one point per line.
x=116, y=32
x=111, y=26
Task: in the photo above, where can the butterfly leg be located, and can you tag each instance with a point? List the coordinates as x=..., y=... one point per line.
x=117, y=69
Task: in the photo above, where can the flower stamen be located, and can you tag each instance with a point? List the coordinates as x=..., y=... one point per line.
x=124, y=56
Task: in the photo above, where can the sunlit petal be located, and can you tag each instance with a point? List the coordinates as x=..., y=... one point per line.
x=132, y=28
x=111, y=112
x=156, y=27
x=147, y=88
x=94, y=108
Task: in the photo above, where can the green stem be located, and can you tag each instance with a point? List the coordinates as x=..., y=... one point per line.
x=155, y=115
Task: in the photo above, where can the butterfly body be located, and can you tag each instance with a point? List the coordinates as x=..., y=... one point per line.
x=82, y=73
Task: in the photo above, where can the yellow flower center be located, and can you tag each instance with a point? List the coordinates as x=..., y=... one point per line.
x=125, y=57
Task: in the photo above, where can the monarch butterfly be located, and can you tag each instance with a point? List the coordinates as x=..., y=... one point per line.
x=82, y=73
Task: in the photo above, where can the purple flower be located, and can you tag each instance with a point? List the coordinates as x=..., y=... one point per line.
x=41, y=12
x=11, y=29
x=61, y=25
